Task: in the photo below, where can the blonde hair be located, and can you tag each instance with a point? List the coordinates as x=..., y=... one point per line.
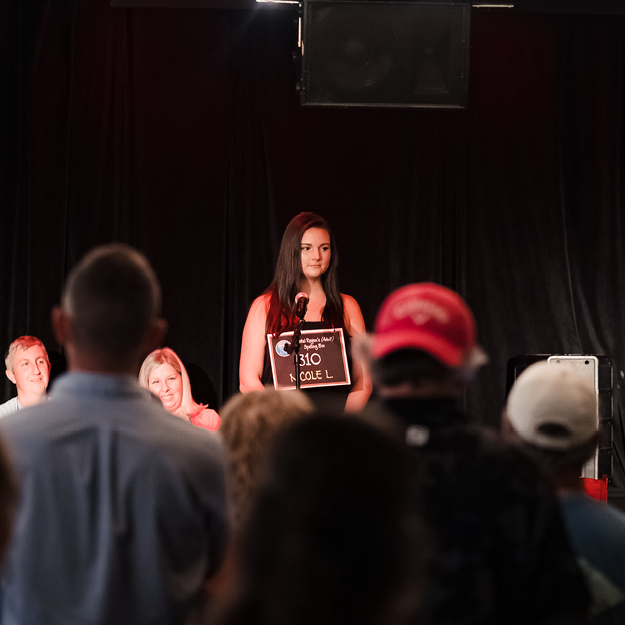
x=23, y=342
x=188, y=407
x=249, y=423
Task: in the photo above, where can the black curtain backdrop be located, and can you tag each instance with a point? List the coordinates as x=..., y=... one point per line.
x=179, y=131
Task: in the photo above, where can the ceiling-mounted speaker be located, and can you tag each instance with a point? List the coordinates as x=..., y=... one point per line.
x=382, y=53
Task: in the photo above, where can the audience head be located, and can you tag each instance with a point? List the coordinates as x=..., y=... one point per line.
x=424, y=338
x=108, y=313
x=163, y=373
x=329, y=534
x=28, y=367
x=249, y=424
x=552, y=411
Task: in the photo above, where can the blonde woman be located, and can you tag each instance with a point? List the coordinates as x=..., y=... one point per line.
x=163, y=373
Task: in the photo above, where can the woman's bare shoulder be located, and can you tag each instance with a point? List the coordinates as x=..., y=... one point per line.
x=349, y=303
x=348, y=298
x=260, y=305
x=353, y=316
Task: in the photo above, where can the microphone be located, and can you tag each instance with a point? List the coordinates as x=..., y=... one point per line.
x=301, y=304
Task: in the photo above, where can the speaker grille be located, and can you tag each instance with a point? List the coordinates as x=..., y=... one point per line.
x=598, y=370
x=385, y=53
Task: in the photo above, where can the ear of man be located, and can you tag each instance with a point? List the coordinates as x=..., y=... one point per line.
x=11, y=376
x=154, y=336
x=61, y=326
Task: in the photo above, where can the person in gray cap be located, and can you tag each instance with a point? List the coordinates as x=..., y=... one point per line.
x=552, y=412
x=500, y=552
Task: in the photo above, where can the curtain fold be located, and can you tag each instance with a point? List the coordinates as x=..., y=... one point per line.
x=179, y=131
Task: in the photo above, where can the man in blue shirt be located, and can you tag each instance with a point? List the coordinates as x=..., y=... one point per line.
x=122, y=511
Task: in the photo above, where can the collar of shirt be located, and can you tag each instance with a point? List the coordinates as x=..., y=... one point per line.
x=95, y=385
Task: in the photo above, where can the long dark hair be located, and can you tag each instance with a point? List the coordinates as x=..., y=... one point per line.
x=331, y=532
x=286, y=283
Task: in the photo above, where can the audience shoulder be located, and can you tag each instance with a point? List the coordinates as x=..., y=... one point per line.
x=506, y=463
x=27, y=420
x=193, y=451
x=176, y=448
x=194, y=443
x=354, y=322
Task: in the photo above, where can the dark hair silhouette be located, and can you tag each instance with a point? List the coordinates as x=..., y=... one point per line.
x=286, y=282
x=409, y=365
x=327, y=539
x=112, y=295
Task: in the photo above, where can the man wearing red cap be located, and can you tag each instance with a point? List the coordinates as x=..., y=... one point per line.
x=501, y=554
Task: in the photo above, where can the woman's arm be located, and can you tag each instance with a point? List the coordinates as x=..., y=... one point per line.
x=253, y=347
x=361, y=382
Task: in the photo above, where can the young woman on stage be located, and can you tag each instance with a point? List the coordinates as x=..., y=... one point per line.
x=306, y=263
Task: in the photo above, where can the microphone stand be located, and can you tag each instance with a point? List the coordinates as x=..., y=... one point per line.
x=294, y=347
x=297, y=333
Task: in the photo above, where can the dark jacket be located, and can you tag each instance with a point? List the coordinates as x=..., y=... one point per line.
x=501, y=553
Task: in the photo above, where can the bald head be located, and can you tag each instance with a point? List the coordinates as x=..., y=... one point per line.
x=110, y=303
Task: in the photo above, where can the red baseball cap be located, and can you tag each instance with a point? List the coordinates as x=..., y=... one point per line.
x=429, y=317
